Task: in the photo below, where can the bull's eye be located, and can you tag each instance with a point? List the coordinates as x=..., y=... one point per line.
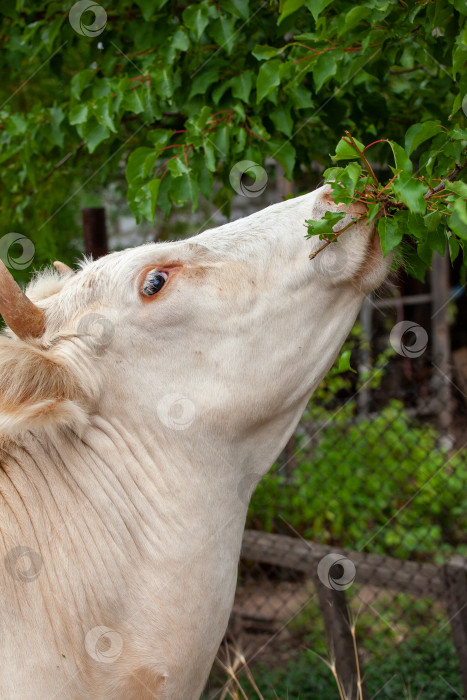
x=154, y=283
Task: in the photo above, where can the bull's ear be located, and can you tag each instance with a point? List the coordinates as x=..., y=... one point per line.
x=38, y=389
x=63, y=269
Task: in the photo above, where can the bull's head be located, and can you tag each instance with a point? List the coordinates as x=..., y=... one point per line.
x=224, y=335
x=173, y=374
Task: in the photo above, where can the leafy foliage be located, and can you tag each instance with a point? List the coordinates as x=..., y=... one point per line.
x=175, y=94
x=429, y=212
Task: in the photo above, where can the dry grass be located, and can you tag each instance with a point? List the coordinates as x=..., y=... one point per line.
x=234, y=664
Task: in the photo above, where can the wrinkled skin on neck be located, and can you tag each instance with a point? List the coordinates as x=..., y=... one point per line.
x=132, y=482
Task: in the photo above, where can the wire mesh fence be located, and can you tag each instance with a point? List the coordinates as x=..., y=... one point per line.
x=356, y=552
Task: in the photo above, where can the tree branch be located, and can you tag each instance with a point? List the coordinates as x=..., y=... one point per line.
x=449, y=178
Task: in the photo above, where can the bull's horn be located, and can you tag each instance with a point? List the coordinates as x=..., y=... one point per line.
x=63, y=269
x=24, y=318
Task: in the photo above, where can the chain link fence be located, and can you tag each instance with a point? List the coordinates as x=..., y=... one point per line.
x=353, y=577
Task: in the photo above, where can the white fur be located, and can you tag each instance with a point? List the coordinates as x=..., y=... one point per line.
x=136, y=510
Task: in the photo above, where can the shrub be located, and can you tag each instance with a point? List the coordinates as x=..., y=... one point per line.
x=372, y=484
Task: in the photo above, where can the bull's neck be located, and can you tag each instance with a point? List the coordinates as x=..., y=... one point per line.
x=119, y=534
x=114, y=495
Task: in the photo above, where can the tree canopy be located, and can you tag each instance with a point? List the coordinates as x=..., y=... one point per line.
x=163, y=99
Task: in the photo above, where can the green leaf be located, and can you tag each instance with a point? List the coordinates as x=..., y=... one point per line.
x=178, y=167
x=285, y=155
x=454, y=248
x=432, y=220
x=185, y=189
x=282, y=120
x=401, y=159
x=136, y=160
x=205, y=78
x=301, y=98
x=325, y=224
x=460, y=207
x=238, y=8
x=210, y=157
x=287, y=7
x=389, y=233
x=352, y=18
x=221, y=141
x=180, y=40
x=95, y=135
x=418, y=133
x=16, y=124
x=317, y=6
x=242, y=84
x=458, y=187
x=457, y=225
x=78, y=115
x=411, y=192
x=415, y=267
x=223, y=33
x=132, y=102
x=345, y=185
x=344, y=362
x=460, y=134
x=80, y=81
x=345, y=151
x=149, y=7
x=435, y=241
x=196, y=18
x=145, y=199
x=159, y=137
x=262, y=53
x=268, y=79
x=153, y=187
x=101, y=111
x=373, y=211
x=324, y=68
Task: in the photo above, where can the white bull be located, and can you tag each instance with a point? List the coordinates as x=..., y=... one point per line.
x=137, y=399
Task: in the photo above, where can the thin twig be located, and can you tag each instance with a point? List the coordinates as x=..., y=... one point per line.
x=336, y=235
x=362, y=156
x=411, y=70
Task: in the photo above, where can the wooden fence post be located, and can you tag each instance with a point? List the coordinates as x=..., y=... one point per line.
x=455, y=578
x=441, y=344
x=95, y=232
x=337, y=623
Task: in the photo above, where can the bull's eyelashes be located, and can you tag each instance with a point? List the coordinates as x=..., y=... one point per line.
x=153, y=283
